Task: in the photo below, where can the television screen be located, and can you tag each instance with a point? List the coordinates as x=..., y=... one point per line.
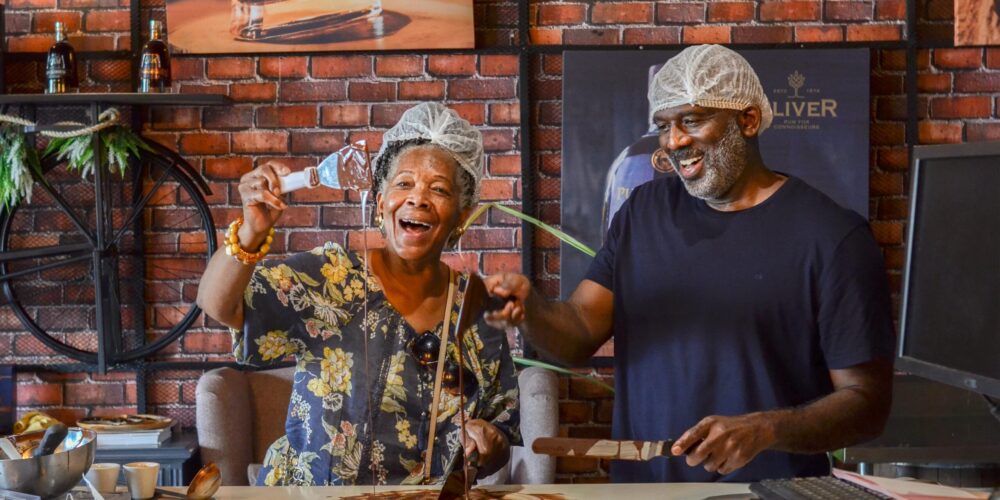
x=950, y=321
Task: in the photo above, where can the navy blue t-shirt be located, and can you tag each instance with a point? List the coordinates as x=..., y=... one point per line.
x=726, y=313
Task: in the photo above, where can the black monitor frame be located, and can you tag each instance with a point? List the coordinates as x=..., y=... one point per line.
x=944, y=374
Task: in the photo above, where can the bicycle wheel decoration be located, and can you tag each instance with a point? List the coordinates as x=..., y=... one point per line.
x=103, y=265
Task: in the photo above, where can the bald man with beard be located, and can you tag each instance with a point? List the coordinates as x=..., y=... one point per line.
x=750, y=312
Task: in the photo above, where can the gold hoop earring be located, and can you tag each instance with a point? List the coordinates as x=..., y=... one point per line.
x=661, y=161
x=455, y=236
x=379, y=222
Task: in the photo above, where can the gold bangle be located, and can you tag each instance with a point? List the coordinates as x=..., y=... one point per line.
x=234, y=250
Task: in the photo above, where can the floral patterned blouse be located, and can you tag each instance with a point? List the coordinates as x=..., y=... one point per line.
x=311, y=306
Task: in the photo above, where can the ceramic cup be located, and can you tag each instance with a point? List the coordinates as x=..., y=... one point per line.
x=141, y=479
x=104, y=477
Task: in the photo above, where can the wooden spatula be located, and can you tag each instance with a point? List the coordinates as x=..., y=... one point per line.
x=602, y=448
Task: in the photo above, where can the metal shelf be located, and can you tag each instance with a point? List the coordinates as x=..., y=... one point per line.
x=132, y=98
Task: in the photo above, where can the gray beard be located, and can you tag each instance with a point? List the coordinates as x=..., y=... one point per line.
x=724, y=164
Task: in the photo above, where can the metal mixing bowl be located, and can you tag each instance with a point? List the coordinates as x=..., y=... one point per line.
x=53, y=474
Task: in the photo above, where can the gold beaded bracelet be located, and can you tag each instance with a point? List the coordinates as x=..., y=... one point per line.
x=237, y=252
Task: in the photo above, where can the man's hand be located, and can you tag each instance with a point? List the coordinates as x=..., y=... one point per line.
x=508, y=286
x=485, y=438
x=724, y=444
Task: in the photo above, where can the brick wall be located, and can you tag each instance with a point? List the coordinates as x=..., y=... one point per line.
x=302, y=106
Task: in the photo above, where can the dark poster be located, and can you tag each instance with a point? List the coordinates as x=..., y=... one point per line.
x=820, y=99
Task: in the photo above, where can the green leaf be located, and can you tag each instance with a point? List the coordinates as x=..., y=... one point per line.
x=565, y=238
x=558, y=369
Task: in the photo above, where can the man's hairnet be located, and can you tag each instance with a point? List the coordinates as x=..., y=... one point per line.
x=711, y=76
x=433, y=123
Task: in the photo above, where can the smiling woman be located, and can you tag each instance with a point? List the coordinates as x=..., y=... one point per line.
x=372, y=397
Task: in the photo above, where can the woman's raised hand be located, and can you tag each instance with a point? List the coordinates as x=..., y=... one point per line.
x=260, y=192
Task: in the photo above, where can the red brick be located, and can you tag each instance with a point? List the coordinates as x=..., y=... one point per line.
x=422, y=90
x=204, y=143
x=39, y=394
x=886, y=184
x=505, y=165
x=232, y=167
x=580, y=388
x=993, y=58
x=893, y=159
x=31, y=4
x=665, y=35
x=317, y=142
x=939, y=10
x=542, y=36
x=680, y=13
x=496, y=190
x=893, y=208
x=175, y=118
x=574, y=412
x=109, y=71
x=706, y=34
x=286, y=116
x=253, y=92
x=815, y=34
x=886, y=84
x=721, y=12
x=621, y=13
x=284, y=67
x=886, y=10
x=451, y=65
x=762, y=34
x=977, y=82
x=313, y=91
x=481, y=89
x=377, y=91
x=873, y=33
x=549, y=14
x=978, y=132
x=502, y=262
x=228, y=117
x=260, y=142
x=341, y=66
x=107, y=20
x=505, y=114
x=939, y=132
x=94, y=394
x=789, y=11
x=92, y=43
x=498, y=140
x=45, y=22
x=498, y=65
x=961, y=107
x=887, y=233
x=344, y=115
x=591, y=36
x=227, y=68
x=163, y=393
x=29, y=43
x=590, y=432
x=887, y=134
x=474, y=112
x=850, y=10
x=399, y=66
x=934, y=83
x=958, y=58
x=386, y=115
x=187, y=69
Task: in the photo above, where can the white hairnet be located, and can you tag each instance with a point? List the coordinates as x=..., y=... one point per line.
x=711, y=76
x=433, y=123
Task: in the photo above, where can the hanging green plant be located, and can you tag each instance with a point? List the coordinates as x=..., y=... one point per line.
x=119, y=142
x=565, y=238
x=18, y=165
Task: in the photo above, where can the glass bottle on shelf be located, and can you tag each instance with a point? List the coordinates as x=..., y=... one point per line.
x=60, y=65
x=154, y=66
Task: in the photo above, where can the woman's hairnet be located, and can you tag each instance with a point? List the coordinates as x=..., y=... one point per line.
x=711, y=76
x=433, y=123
